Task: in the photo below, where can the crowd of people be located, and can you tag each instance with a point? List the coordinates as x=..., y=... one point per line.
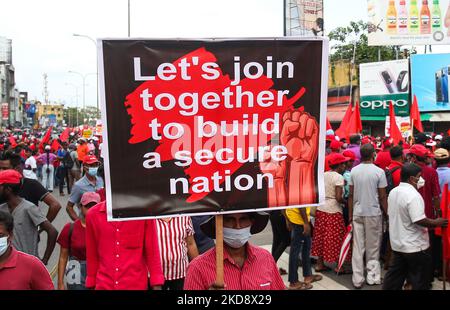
x=388, y=194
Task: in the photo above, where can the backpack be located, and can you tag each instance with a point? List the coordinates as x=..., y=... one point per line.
x=68, y=161
x=390, y=179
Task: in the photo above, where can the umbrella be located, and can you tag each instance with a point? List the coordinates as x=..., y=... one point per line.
x=345, y=248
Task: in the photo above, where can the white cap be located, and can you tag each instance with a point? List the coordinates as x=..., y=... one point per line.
x=48, y=148
x=438, y=137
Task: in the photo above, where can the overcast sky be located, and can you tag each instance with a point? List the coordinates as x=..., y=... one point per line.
x=42, y=30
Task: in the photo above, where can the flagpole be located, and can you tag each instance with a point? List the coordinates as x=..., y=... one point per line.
x=444, y=267
x=412, y=130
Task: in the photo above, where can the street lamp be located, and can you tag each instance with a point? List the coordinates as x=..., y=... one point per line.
x=76, y=97
x=95, y=43
x=83, y=77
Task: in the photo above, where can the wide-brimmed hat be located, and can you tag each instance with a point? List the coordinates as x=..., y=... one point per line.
x=441, y=154
x=260, y=222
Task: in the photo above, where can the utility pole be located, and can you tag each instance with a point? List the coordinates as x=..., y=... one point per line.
x=129, y=18
x=45, y=88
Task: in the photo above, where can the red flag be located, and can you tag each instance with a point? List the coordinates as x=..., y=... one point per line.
x=46, y=138
x=358, y=122
x=444, y=231
x=415, y=115
x=12, y=141
x=55, y=145
x=394, y=132
x=328, y=124
x=65, y=135
x=341, y=132
x=355, y=124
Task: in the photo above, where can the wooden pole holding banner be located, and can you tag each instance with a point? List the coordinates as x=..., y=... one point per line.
x=412, y=131
x=219, y=252
x=444, y=269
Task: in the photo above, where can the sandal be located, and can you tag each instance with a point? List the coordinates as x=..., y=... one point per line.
x=315, y=278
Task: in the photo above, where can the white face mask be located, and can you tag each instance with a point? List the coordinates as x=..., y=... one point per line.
x=236, y=238
x=420, y=183
x=3, y=245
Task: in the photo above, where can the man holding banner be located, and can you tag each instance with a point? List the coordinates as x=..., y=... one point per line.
x=246, y=267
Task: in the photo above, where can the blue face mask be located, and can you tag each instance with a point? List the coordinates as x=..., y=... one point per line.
x=93, y=171
x=3, y=245
x=236, y=238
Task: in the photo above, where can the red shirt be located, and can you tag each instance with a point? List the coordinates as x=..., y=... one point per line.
x=397, y=175
x=259, y=272
x=431, y=188
x=120, y=255
x=24, y=272
x=173, y=247
x=383, y=159
x=78, y=240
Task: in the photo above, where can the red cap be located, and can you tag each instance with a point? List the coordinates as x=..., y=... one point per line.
x=89, y=197
x=330, y=138
x=388, y=142
x=365, y=140
x=10, y=177
x=349, y=154
x=90, y=159
x=336, y=159
x=335, y=145
x=418, y=150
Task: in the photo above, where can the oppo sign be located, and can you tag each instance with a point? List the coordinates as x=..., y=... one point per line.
x=383, y=104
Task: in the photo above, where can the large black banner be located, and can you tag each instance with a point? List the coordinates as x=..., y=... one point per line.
x=207, y=126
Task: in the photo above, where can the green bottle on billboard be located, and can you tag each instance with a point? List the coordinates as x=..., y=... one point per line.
x=436, y=16
x=414, y=18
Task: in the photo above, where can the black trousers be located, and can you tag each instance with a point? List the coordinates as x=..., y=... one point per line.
x=436, y=253
x=63, y=173
x=281, y=236
x=173, y=285
x=412, y=266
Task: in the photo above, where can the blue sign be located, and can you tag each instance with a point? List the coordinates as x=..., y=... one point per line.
x=430, y=81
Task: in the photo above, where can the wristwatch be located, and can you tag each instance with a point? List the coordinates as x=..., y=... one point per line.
x=402, y=81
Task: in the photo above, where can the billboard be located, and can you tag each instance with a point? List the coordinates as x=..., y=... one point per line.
x=303, y=17
x=381, y=83
x=430, y=81
x=212, y=126
x=409, y=22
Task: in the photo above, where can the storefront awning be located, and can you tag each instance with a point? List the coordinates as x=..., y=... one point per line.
x=439, y=117
x=336, y=113
x=424, y=117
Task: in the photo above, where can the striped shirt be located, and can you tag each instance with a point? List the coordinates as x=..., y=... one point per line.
x=259, y=271
x=173, y=249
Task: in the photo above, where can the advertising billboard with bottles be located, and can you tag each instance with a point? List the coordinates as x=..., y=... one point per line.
x=409, y=22
x=430, y=74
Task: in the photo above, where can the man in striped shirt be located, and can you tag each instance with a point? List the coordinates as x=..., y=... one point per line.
x=176, y=246
x=246, y=267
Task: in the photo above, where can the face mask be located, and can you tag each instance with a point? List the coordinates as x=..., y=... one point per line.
x=93, y=171
x=420, y=183
x=3, y=245
x=236, y=238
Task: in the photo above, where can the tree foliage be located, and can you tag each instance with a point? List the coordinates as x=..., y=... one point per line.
x=342, y=39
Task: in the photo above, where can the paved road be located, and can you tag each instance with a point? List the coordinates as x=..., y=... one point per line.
x=331, y=281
